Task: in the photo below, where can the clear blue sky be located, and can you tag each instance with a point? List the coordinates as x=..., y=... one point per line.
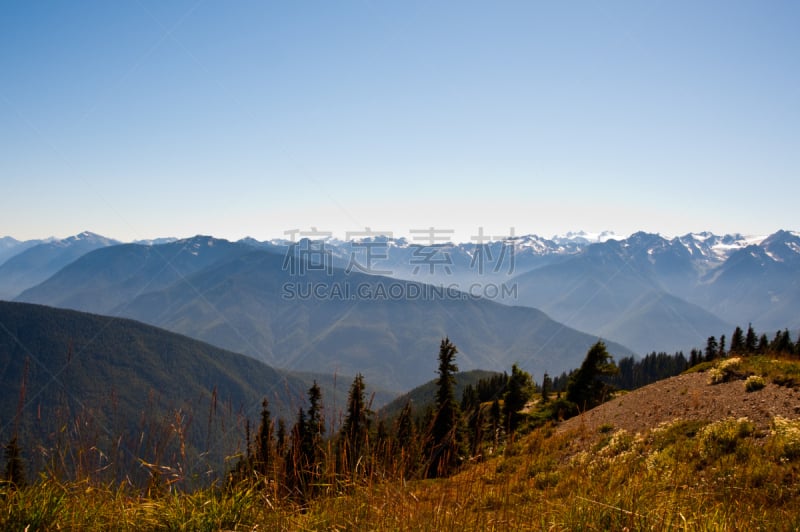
x=139, y=119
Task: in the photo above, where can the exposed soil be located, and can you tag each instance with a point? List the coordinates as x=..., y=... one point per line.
x=688, y=396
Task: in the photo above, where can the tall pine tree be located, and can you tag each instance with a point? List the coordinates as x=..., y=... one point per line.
x=737, y=341
x=264, y=443
x=354, y=434
x=445, y=445
x=750, y=340
x=585, y=388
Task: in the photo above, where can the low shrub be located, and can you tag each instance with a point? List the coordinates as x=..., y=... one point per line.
x=754, y=383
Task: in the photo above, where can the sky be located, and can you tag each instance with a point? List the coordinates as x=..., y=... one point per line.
x=144, y=119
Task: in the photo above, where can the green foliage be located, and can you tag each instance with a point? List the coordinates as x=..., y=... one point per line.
x=445, y=445
x=654, y=367
x=305, y=457
x=518, y=391
x=486, y=384
x=723, y=437
x=712, y=349
x=264, y=442
x=750, y=340
x=354, y=434
x=554, y=411
x=737, y=341
x=547, y=385
x=754, y=383
x=585, y=388
x=786, y=433
x=725, y=370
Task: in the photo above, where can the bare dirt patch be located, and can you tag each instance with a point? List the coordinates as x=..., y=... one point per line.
x=690, y=397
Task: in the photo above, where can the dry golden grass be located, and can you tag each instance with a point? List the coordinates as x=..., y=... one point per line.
x=683, y=474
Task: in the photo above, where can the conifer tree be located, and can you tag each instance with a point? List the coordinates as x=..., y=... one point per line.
x=722, y=346
x=445, y=444
x=695, y=357
x=519, y=390
x=585, y=388
x=737, y=341
x=311, y=443
x=750, y=340
x=547, y=385
x=785, y=343
x=471, y=410
x=264, y=442
x=303, y=465
x=712, y=348
x=763, y=344
x=355, y=428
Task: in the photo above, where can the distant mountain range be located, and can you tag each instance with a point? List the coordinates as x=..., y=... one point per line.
x=251, y=301
x=35, y=261
x=645, y=292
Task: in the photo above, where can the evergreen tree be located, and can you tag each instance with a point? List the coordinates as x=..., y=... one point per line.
x=355, y=429
x=722, y=346
x=634, y=374
x=585, y=389
x=471, y=410
x=750, y=340
x=311, y=446
x=314, y=419
x=492, y=387
x=737, y=341
x=519, y=390
x=695, y=357
x=560, y=383
x=763, y=344
x=547, y=385
x=785, y=344
x=445, y=437
x=264, y=449
x=712, y=348
x=303, y=465
x=469, y=399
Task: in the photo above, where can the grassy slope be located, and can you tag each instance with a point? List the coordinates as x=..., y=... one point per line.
x=723, y=475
